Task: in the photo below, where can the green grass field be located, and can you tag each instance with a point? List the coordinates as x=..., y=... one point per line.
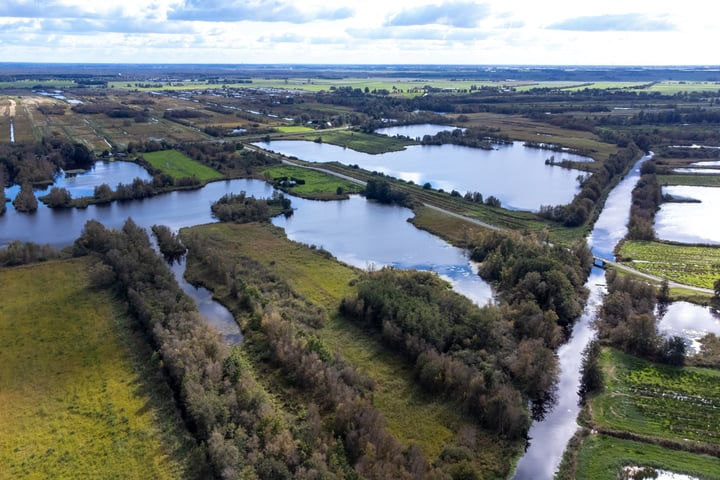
x=76, y=398
x=180, y=165
x=602, y=458
x=675, y=403
x=688, y=264
x=317, y=185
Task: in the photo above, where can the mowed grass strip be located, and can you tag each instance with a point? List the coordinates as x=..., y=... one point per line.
x=413, y=416
x=694, y=265
x=73, y=403
x=602, y=458
x=179, y=165
x=697, y=180
x=317, y=184
x=661, y=401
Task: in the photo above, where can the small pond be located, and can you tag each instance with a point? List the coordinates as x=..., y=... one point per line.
x=689, y=222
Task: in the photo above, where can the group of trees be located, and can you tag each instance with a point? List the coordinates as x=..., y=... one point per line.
x=381, y=190
x=646, y=198
x=241, y=431
x=353, y=440
x=475, y=137
x=627, y=321
x=240, y=208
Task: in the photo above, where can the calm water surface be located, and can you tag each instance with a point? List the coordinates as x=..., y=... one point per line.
x=515, y=174
x=690, y=321
x=689, y=222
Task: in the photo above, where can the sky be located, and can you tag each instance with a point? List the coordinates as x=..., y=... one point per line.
x=491, y=32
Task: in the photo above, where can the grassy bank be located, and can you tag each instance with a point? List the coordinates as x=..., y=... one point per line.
x=179, y=165
x=412, y=416
x=694, y=265
x=79, y=397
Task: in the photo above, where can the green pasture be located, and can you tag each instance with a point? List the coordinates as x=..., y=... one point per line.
x=317, y=184
x=673, y=87
x=179, y=165
x=660, y=401
x=694, y=265
x=601, y=457
x=78, y=396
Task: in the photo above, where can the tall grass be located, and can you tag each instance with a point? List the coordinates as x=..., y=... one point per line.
x=76, y=390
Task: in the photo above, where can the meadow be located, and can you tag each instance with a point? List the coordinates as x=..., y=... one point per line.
x=79, y=394
x=688, y=264
x=179, y=165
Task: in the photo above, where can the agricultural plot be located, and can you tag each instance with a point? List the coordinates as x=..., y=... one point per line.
x=602, y=458
x=78, y=398
x=660, y=401
x=698, y=266
x=179, y=165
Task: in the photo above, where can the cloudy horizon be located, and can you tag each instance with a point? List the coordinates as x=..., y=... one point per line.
x=511, y=32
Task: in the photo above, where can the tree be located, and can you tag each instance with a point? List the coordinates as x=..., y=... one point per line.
x=58, y=198
x=716, y=287
x=25, y=200
x=591, y=379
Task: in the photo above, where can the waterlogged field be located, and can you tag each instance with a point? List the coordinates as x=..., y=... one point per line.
x=602, y=458
x=675, y=403
x=76, y=400
x=691, y=265
x=317, y=185
x=179, y=165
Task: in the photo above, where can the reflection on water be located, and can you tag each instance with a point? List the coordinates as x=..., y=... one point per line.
x=515, y=174
x=689, y=222
x=689, y=321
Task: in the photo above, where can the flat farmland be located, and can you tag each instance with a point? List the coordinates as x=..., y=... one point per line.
x=694, y=265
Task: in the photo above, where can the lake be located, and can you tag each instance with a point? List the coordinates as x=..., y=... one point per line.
x=689, y=222
x=515, y=174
